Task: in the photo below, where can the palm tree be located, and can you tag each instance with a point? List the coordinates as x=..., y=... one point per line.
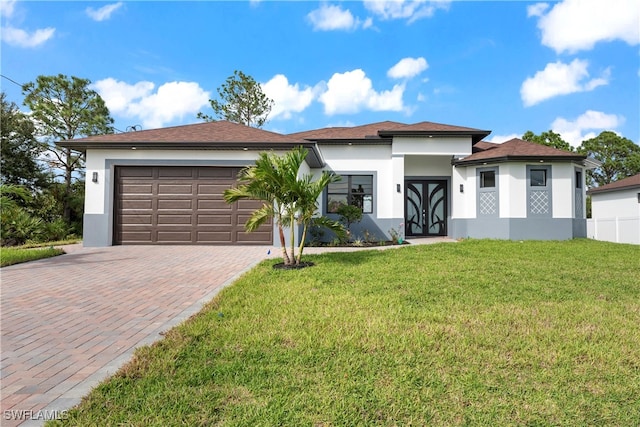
x=306, y=205
x=264, y=182
x=287, y=198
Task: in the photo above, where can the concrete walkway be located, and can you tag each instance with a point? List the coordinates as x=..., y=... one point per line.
x=70, y=321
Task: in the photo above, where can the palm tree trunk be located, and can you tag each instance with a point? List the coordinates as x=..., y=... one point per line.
x=283, y=245
x=302, y=239
x=292, y=238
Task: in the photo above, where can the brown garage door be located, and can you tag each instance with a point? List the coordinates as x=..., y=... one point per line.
x=181, y=205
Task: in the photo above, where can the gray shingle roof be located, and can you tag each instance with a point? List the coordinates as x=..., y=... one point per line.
x=518, y=149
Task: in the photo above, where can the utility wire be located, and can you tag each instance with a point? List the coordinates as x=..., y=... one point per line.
x=11, y=80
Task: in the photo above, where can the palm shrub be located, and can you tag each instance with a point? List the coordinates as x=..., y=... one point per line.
x=349, y=214
x=288, y=198
x=25, y=217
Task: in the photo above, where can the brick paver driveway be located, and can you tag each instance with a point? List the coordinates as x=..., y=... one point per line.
x=70, y=321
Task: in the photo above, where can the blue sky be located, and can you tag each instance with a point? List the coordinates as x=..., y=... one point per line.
x=507, y=66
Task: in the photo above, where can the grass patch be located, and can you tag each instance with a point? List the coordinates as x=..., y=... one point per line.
x=10, y=256
x=473, y=333
x=48, y=244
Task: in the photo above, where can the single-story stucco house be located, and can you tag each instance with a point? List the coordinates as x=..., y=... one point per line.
x=615, y=211
x=164, y=186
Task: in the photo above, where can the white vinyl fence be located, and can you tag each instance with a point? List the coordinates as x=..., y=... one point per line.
x=619, y=230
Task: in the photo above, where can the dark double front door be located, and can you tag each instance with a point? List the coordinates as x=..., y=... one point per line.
x=425, y=207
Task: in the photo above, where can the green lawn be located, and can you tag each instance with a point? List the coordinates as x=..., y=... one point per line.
x=10, y=256
x=468, y=333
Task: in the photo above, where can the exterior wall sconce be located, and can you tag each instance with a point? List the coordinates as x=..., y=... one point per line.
x=398, y=188
x=94, y=177
x=462, y=188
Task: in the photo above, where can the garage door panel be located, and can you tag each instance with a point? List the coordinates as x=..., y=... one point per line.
x=249, y=205
x=219, y=173
x=136, y=218
x=170, y=189
x=135, y=172
x=218, y=205
x=256, y=237
x=214, y=219
x=131, y=188
x=137, y=204
x=166, y=204
x=174, y=219
x=136, y=236
x=214, y=236
x=176, y=172
x=215, y=190
x=181, y=205
x=174, y=236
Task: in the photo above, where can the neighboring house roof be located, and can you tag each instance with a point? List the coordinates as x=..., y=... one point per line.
x=517, y=149
x=384, y=131
x=628, y=183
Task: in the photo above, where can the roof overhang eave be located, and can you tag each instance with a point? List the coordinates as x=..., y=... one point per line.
x=353, y=141
x=503, y=159
x=476, y=135
x=314, y=158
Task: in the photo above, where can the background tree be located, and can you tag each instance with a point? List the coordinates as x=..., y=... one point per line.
x=548, y=138
x=20, y=149
x=241, y=101
x=65, y=108
x=620, y=158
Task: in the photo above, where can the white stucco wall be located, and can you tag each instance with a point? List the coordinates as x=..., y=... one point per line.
x=463, y=205
x=512, y=186
x=451, y=146
x=563, y=175
x=418, y=166
x=621, y=203
x=513, y=190
x=350, y=159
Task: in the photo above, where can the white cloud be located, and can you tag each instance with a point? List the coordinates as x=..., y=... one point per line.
x=172, y=101
x=499, y=139
x=574, y=131
x=352, y=91
x=17, y=36
x=574, y=25
x=21, y=38
x=537, y=9
x=104, y=12
x=560, y=79
x=7, y=8
x=332, y=17
x=287, y=98
x=412, y=10
x=408, y=68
